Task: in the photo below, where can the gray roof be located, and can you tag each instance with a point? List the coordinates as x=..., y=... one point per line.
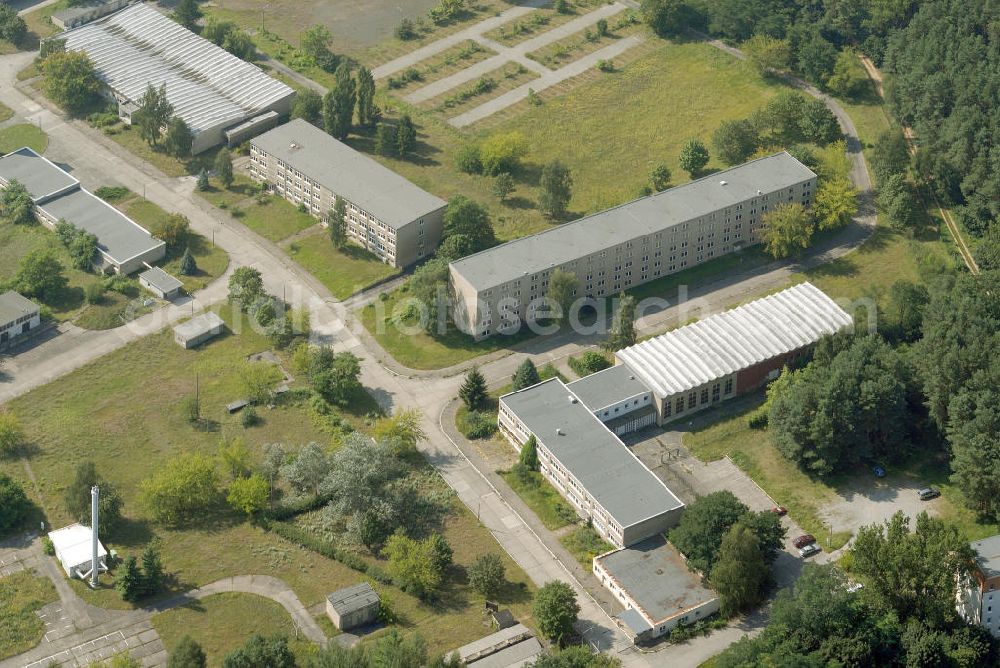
x=657, y=578
x=60, y=196
x=207, y=86
x=610, y=386
x=198, y=325
x=160, y=279
x=638, y=218
x=724, y=343
x=988, y=555
x=515, y=656
x=605, y=467
x=348, y=173
x=117, y=234
x=38, y=175
x=633, y=619
x=13, y=305
x=488, y=644
x=353, y=598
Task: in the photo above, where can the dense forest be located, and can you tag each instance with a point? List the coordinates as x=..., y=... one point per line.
x=941, y=61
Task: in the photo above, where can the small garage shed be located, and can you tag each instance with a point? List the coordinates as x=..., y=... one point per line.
x=353, y=606
x=74, y=550
x=160, y=283
x=197, y=330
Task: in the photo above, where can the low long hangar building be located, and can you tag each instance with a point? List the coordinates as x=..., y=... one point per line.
x=497, y=289
x=222, y=98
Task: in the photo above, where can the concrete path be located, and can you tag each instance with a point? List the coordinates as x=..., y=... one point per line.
x=472, y=32
x=517, y=53
x=547, y=80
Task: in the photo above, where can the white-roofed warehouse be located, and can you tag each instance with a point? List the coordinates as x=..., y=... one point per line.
x=211, y=89
x=733, y=352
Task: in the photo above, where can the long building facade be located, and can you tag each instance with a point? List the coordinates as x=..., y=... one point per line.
x=222, y=98
x=386, y=214
x=496, y=290
x=978, y=591
x=583, y=459
x=734, y=352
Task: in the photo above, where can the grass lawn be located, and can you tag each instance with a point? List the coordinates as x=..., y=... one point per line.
x=105, y=412
x=439, y=66
x=584, y=544
x=413, y=347
x=753, y=452
x=21, y=595
x=40, y=23
x=270, y=216
x=543, y=499
x=344, y=271
x=574, y=47
x=129, y=138
x=24, y=134
x=211, y=260
x=491, y=85
x=630, y=121
x=220, y=623
x=5, y=112
x=539, y=21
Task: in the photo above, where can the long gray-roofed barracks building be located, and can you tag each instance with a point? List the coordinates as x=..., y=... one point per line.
x=730, y=353
x=215, y=92
x=124, y=246
x=388, y=215
x=588, y=464
x=614, y=250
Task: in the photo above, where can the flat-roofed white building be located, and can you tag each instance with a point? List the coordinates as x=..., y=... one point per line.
x=978, y=591
x=199, y=329
x=208, y=87
x=74, y=550
x=588, y=464
x=736, y=351
x=652, y=580
x=386, y=214
x=124, y=246
x=498, y=289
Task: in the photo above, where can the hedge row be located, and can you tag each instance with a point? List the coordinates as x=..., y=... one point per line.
x=310, y=541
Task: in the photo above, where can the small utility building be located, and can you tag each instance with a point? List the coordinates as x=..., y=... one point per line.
x=73, y=545
x=512, y=646
x=197, y=330
x=18, y=315
x=160, y=283
x=352, y=606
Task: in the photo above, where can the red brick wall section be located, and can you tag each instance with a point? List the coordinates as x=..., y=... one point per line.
x=751, y=378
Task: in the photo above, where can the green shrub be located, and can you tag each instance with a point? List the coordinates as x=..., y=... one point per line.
x=113, y=193
x=94, y=293
x=588, y=363
x=47, y=546
x=478, y=424
x=249, y=417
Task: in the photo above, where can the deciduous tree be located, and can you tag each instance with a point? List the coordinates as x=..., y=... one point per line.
x=896, y=201
x=849, y=78
x=179, y=138
x=258, y=651
x=366, y=96
x=486, y=574
x=471, y=220
x=735, y=141
x=503, y=186
x=666, y=17
x=622, y=334
x=557, y=189
x=406, y=136
x=16, y=205
x=246, y=287
x=401, y=431
x=307, y=470
x=187, y=654
x=71, y=81
x=694, y=157
x=249, y=495
x=659, y=178
x=183, y=489
x=224, y=167
x=555, y=609
x=153, y=113
x=502, y=152
x=337, y=221
x=14, y=504
x=78, y=499
x=40, y=274
x=562, y=291
x=308, y=106
x=836, y=203
x=768, y=54
x=187, y=13
x=529, y=454
x=739, y=573
x=788, y=228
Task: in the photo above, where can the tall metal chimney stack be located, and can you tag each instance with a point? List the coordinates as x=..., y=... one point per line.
x=95, y=495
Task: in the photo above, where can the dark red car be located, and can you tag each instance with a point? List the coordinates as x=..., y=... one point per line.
x=779, y=510
x=803, y=540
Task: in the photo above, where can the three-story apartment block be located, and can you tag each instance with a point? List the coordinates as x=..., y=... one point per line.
x=498, y=289
x=386, y=214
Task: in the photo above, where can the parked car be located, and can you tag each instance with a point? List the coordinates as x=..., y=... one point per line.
x=928, y=493
x=779, y=510
x=803, y=540
x=809, y=550
x=878, y=471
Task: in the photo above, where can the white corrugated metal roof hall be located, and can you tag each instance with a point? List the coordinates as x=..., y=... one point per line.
x=207, y=86
x=725, y=343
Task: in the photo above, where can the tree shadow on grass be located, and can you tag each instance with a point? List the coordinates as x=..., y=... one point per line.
x=519, y=202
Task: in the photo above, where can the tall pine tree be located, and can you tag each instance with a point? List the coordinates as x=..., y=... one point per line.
x=473, y=390
x=526, y=375
x=128, y=582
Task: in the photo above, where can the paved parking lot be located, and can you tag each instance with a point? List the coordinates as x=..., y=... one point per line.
x=688, y=477
x=868, y=500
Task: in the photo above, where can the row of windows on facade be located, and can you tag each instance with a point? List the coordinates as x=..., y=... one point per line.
x=635, y=403
x=696, y=398
x=658, y=236
x=14, y=323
